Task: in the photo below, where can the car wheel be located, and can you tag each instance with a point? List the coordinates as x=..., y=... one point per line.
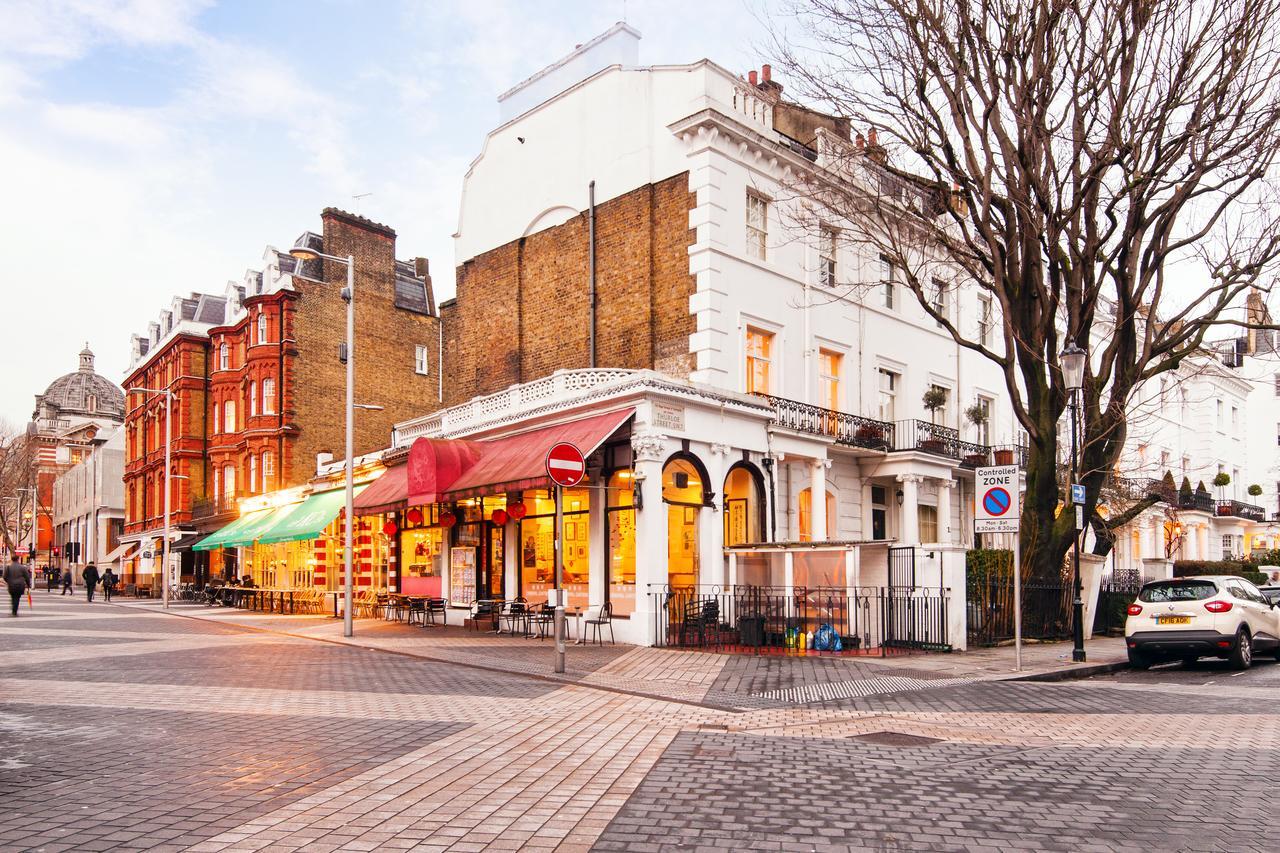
x=1241, y=656
x=1137, y=660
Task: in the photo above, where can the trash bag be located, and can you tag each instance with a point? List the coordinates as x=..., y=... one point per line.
x=825, y=639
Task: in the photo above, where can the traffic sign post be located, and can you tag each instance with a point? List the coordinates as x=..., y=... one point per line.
x=566, y=467
x=996, y=510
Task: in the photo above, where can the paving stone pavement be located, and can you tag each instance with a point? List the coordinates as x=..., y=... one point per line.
x=123, y=728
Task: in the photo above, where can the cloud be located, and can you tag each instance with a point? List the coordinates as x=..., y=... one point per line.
x=67, y=29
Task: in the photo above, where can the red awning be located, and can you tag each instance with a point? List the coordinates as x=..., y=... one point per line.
x=435, y=463
x=518, y=462
x=388, y=493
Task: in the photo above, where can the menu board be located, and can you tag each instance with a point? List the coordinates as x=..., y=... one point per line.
x=462, y=576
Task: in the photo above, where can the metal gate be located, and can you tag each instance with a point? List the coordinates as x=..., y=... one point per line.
x=902, y=566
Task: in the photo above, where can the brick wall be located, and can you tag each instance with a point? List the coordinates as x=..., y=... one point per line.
x=521, y=310
x=385, y=340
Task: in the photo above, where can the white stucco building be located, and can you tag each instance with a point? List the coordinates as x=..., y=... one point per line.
x=88, y=501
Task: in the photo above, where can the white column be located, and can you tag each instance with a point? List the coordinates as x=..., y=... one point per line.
x=651, y=531
x=909, y=512
x=1157, y=537
x=818, y=499
x=1202, y=540
x=944, y=511
x=597, y=551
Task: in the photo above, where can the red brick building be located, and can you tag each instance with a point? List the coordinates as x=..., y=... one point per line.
x=259, y=387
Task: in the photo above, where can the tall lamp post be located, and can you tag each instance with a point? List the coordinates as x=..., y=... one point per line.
x=1073, y=360
x=168, y=480
x=32, y=528
x=305, y=253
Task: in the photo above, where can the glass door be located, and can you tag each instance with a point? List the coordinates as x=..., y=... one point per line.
x=491, y=580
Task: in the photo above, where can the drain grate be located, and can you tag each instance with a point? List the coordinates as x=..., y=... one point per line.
x=895, y=739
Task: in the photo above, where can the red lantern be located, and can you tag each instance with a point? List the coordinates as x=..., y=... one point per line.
x=414, y=516
x=499, y=516
x=390, y=528
x=517, y=511
x=448, y=519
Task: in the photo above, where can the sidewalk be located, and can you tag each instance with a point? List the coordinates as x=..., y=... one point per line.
x=734, y=682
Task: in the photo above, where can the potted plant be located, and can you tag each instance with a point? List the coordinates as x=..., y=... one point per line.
x=1004, y=455
x=1185, y=498
x=869, y=435
x=1220, y=481
x=976, y=415
x=934, y=398
x=1255, y=491
x=1168, y=490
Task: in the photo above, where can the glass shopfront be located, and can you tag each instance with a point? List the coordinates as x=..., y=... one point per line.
x=537, y=546
x=422, y=551
x=682, y=492
x=621, y=527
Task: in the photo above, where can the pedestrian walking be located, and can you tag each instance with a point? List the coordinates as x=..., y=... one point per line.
x=68, y=582
x=17, y=577
x=108, y=583
x=90, y=580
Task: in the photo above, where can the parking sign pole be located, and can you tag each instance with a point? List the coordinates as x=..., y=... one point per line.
x=1017, y=603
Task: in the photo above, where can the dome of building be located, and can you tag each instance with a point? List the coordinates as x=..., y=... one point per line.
x=83, y=393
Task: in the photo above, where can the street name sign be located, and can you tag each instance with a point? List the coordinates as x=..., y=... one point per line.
x=996, y=499
x=565, y=465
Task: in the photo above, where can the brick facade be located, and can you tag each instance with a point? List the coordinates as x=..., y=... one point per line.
x=521, y=310
x=182, y=365
x=385, y=341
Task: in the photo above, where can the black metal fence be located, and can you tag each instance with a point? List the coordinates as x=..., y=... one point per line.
x=1046, y=611
x=867, y=620
x=1114, y=597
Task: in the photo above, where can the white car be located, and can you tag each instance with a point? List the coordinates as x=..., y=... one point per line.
x=1213, y=616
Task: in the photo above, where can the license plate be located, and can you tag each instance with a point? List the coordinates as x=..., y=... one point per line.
x=1173, y=620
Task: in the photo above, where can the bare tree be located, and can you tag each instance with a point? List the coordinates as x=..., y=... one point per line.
x=1072, y=158
x=17, y=471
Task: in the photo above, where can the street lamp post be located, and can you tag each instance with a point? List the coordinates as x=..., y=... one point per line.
x=304, y=253
x=1073, y=360
x=168, y=480
x=35, y=520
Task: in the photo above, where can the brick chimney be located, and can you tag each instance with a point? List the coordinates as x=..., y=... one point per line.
x=874, y=149
x=771, y=88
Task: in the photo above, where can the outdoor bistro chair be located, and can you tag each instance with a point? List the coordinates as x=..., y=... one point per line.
x=516, y=613
x=603, y=617
x=691, y=624
x=417, y=611
x=434, y=606
x=484, y=609
x=543, y=617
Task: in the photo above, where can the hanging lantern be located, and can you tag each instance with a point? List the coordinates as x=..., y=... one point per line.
x=517, y=511
x=448, y=519
x=499, y=517
x=390, y=528
x=414, y=516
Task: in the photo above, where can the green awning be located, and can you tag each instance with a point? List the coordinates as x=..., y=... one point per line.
x=223, y=538
x=254, y=532
x=308, y=519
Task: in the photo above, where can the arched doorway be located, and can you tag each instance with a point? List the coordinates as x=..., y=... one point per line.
x=684, y=483
x=743, y=505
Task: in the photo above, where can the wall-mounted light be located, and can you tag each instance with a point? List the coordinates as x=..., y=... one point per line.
x=637, y=491
x=899, y=497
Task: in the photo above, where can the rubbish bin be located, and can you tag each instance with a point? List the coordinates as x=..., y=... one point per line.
x=751, y=630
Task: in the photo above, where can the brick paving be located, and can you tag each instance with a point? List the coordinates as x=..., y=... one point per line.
x=122, y=728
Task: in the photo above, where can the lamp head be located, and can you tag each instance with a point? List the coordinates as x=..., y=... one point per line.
x=303, y=253
x=1072, y=362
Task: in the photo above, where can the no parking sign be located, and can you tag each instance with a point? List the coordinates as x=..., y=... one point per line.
x=996, y=499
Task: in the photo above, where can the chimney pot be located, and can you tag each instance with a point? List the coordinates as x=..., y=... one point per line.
x=421, y=268
x=766, y=73
x=871, y=136
x=751, y=78
x=860, y=141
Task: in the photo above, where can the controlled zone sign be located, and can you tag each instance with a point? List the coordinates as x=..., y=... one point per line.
x=996, y=500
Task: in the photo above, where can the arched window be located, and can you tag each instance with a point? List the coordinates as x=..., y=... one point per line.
x=743, y=505
x=253, y=399
x=806, y=515
x=268, y=469
x=684, y=488
x=224, y=357
x=262, y=328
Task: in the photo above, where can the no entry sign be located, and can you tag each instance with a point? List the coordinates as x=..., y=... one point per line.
x=565, y=465
x=996, y=499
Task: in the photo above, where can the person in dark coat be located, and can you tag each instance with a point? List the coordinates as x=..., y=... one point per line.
x=17, y=577
x=90, y=576
x=68, y=582
x=109, y=581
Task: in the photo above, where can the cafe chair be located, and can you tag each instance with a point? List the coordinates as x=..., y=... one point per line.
x=417, y=612
x=517, y=614
x=434, y=606
x=543, y=618
x=603, y=617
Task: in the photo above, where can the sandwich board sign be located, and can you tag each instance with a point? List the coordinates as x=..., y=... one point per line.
x=996, y=499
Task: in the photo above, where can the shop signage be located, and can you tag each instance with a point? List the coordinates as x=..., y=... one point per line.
x=667, y=416
x=996, y=500
x=565, y=464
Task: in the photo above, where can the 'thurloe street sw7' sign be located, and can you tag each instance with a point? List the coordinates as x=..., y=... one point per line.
x=996, y=499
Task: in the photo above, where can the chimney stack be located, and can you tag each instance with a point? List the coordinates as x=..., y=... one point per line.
x=751, y=78
x=875, y=150
x=766, y=73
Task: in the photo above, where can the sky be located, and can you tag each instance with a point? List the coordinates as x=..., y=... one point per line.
x=150, y=148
